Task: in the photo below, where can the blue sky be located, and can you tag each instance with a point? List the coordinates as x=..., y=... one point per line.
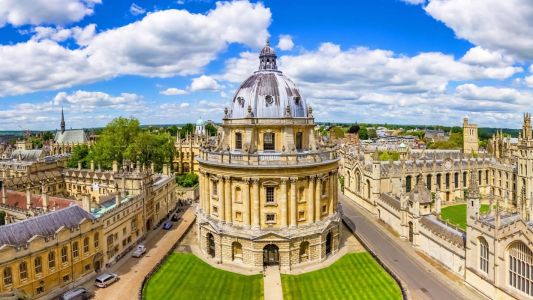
x=165, y=62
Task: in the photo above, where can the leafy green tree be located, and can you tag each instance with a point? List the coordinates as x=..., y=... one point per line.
x=188, y=128
x=114, y=141
x=173, y=130
x=149, y=147
x=372, y=133
x=79, y=153
x=363, y=133
x=187, y=179
x=48, y=135
x=211, y=129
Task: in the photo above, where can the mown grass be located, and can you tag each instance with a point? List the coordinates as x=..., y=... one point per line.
x=456, y=214
x=184, y=276
x=354, y=276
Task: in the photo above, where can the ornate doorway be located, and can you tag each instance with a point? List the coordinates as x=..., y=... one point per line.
x=271, y=255
x=210, y=245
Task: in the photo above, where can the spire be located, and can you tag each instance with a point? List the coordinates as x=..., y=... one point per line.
x=62, y=121
x=267, y=58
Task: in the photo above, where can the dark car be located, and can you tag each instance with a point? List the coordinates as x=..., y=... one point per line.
x=77, y=294
x=175, y=217
x=167, y=225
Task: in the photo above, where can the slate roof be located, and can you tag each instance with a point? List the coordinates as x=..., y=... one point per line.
x=73, y=136
x=391, y=200
x=18, y=200
x=19, y=233
x=27, y=155
x=439, y=228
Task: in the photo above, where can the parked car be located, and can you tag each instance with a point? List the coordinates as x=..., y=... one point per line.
x=79, y=293
x=175, y=217
x=167, y=225
x=106, y=279
x=139, y=251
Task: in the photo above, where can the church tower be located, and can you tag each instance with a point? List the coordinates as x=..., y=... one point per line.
x=62, y=121
x=470, y=137
x=525, y=162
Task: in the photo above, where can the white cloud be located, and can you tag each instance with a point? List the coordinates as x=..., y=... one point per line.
x=136, y=9
x=173, y=92
x=58, y=34
x=491, y=24
x=88, y=101
x=414, y=2
x=204, y=83
x=156, y=46
x=473, y=92
x=37, y=12
x=285, y=42
x=479, y=56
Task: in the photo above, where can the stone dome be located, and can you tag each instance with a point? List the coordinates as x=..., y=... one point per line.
x=267, y=93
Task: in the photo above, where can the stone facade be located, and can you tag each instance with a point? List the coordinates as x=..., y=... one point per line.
x=470, y=138
x=268, y=186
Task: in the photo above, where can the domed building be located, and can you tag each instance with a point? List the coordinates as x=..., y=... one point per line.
x=268, y=187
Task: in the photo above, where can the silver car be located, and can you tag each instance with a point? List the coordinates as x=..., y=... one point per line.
x=105, y=279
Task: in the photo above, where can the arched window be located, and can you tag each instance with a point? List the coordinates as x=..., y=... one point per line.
x=8, y=277
x=51, y=260
x=464, y=179
x=236, y=251
x=23, y=270
x=38, y=265
x=358, y=182
x=75, y=250
x=483, y=255
x=368, y=189
x=268, y=141
x=64, y=254
x=348, y=179
x=520, y=268
x=96, y=240
x=304, y=251
x=428, y=181
x=408, y=184
x=86, y=245
x=238, y=141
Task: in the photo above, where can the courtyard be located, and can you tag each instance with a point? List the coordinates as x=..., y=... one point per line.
x=354, y=276
x=456, y=214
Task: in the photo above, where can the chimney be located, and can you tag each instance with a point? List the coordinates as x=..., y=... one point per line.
x=152, y=167
x=79, y=164
x=86, y=202
x=92, y=165
x=45, y=197
x=99, y=167
x=117, y=199
x=165, y=169
x=4, y=192
x=28, y=197
x=138, y=166
x=115, y=166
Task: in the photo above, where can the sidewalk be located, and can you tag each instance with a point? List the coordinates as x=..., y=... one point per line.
x=133, y=271
x=272, y=284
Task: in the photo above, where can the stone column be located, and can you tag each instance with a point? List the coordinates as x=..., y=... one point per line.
x=28, y=197
x=246, y=202
x=283, y=201
x=227, y=198
x=256, y=210
x=318, y=197
x=311, y=199
x=294, y=205
x=203, y=192
x=331, y=193
x=221, y=200
x=209, y=190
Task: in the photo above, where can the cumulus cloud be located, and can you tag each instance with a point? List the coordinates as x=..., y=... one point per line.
x=491, y=24
x=473, y=92
x=285, y=42
x=204, y=83
x=88, y=101
x=136, y=10
x=37, y=12
x=157, y=45
x=479, y=56
x=414, y=2
x=173, y=92
x=82, y=36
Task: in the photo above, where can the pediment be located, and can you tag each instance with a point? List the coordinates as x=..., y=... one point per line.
x=270, y=236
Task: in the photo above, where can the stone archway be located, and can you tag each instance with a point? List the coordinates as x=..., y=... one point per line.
x=211, y=245
x=271, y=255
x=329, y=243
x=98, y=260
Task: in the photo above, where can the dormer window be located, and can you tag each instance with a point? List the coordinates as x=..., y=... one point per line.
x=268, y=143
x=269, y=100
x=238, y=141
x=297, y=100
x=240, y=100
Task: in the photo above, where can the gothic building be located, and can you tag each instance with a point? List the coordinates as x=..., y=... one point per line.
x=268, y=187
x=65, y=140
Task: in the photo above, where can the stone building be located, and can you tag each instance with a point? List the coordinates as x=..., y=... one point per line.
x=494, y=253
x=187, y=149
x=470, y=137
x=268, y=187
x=65, y=140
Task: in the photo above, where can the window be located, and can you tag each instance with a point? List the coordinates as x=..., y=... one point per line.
x=75, y=250
x=521, y=268
x=214, y=191
x=301, y=215
x=215, y=210
x=238, y=216
x=38, y=265
x=51, y=260
x=456, y=180
x=299, y=137
x=86, y=245
x=124, y=229
x=268, y=143
x=96, y=240
x=324, y=208
x=238, y=141
x=64, y=254
x=23, y=270
x=271, y=218
x=447, y=180
x=324, y=187
x=8, y=278
x=464, y=179
x=87, y=267
x=110, y=240
x=407, y=184
x=40, y=290
x=439, y=176
x=483, y=255
x=269, y=194
x=133, y=225
x=66, y=278
x=238, y=195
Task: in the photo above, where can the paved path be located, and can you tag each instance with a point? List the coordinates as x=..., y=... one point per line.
x=423, y=281
x=272, y=284
x=133, y=271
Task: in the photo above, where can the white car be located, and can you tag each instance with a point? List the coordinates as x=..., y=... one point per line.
x=141, y=249
x=105, y=279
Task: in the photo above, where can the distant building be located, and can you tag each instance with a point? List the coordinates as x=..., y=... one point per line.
x=65, y=140
x=437, y=135
x=470, y=137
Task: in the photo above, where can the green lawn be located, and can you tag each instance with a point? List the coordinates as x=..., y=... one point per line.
x=184, y=276
x=456, y=214
x=354, y=276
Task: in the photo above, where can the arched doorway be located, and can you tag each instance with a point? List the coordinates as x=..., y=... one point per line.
x=236, y=251
x=148, y=224
x=411, y=232
x=329, y=243
x=304, y=251
x=271, y=255
x=210, y=245
x=97, y=262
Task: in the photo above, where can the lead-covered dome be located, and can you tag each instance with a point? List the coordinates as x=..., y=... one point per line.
x=268, y=93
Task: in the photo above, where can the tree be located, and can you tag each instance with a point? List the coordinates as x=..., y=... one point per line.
x=48, y=135
x=114, y=141
x=188, y=128
x=211, y=129
x=363, y=133
x=354, y=128
x=173, y=130
x=79, y=153
x=372, y=133
x=150, y=148
x=187, y=179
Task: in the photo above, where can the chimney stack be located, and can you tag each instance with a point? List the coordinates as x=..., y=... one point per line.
x=79, y=164
x=115, y=166
x=4, y=192
x=45, y=196
x=28, y=197
x=117, y=199
x=86, y=202
x=92, y=165
x=165, y=169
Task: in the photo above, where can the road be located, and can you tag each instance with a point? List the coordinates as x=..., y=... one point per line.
x=422, y=281
x=133, y=271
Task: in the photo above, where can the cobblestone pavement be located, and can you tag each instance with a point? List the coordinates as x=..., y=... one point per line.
x=423, y=280
x=133, y=271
